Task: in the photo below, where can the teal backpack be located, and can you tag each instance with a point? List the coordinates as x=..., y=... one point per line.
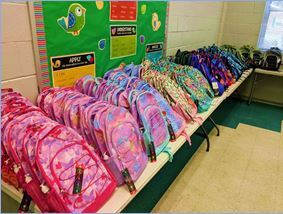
x=190, y=80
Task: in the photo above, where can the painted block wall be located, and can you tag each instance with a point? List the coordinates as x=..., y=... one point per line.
x=18, y=67
x=242, y=21
x=193, y=24
x=241, y=24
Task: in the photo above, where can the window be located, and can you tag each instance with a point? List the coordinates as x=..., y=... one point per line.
x=271, y=33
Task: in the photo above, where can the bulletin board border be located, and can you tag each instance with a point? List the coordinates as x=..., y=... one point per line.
x=39, y=45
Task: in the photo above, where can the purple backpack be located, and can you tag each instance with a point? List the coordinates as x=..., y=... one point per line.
x=88, y=117
x=155, y=130
x=120, y=143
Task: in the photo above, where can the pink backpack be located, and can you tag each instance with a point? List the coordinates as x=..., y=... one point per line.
x=29, y=144
x=24, y=129
x=58, y=103
x=77, y=176
x=82, y=112
x=155, y=126
x=119, y=140
x=87, y=118
x=72, y=111
x=14, y=136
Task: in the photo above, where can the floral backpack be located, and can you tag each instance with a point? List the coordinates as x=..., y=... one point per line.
x=190, y=85
x=197, y=93
x=175, y=96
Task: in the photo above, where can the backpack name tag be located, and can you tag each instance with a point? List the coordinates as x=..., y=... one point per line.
x=129, y=181
x=170, y=128
x=152, y=154
x=24, y=206
x=214, y=85
x=78, y=180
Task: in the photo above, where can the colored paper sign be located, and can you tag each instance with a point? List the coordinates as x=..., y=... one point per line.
x=154, y=51
x=123, y=11
x=67, y=69
x=123, y=41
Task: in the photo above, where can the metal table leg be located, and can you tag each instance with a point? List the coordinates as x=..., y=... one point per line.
x=215, y=125
x=252, y=89
x=204, y=135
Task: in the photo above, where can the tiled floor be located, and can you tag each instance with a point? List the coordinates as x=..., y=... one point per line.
x=242, y=172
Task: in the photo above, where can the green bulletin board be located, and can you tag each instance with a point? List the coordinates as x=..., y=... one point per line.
x=106, y=33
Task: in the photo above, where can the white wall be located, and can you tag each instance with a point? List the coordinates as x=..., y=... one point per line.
x=242, y=21
x=193, y=24
x=18, y=68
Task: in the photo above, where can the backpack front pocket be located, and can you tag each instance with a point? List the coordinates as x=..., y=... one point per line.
x=64, y=167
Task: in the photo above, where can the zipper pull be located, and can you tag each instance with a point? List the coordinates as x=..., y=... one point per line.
x=152, y=152
x=16, y=168
x=45, y=189
x=27, y=178
x=105, y=156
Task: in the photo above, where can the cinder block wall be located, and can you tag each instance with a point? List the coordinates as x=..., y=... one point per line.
x=242, y=22
x=18, y=67
x=193, y=24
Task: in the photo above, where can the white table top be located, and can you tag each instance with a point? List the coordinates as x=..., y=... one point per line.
x=267, y=72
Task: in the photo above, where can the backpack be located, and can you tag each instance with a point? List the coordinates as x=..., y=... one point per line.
x=197, y=93
x=155, y=128
x=199, y=63
x=24, y=129
x=13, y=141
x=176, y=121
x=186, y=80
x=80, y=181
x=120, y=144
x=121, y=93
x=175, y=96
x=272, y=59
x=90, y=118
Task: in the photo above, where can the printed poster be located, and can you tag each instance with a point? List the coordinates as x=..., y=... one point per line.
x=67, y=69
x=123, y=41
x=154, y=51
x=123, y=11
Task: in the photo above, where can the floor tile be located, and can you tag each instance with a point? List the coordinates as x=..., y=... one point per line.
x=242, y=172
